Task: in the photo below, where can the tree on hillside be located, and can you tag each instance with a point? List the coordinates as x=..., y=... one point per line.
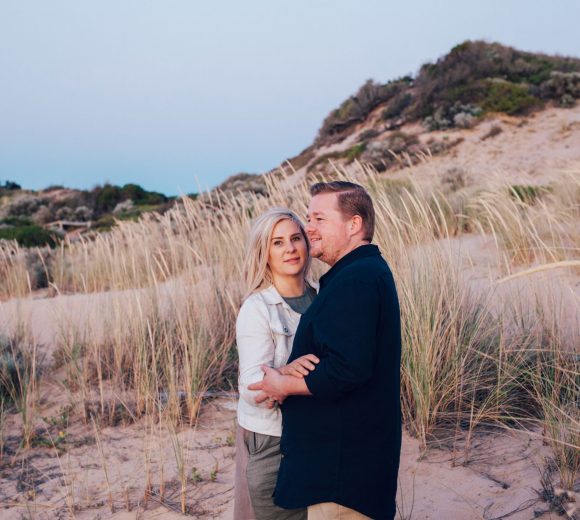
x=10, y=186
x=141, y=196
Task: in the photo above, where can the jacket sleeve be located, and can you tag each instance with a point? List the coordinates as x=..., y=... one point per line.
x=346, y=333
x=255, y=346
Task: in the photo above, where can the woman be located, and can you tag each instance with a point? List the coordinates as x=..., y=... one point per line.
x=277, y=293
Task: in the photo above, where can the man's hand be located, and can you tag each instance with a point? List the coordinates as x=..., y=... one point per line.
x=272, y=388
x=300, y=367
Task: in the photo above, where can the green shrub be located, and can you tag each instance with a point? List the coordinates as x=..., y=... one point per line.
x=107, y=197
x=15, y=368
x=53, y=187
x=527, y=194
x=561, y=84
x=8, y=369
x=135, y=212
x=508, y=98
x=30, y=236
x=141, y=196
x=355, y=152
x=104, y=223
x=379, y=154
x=10, y=186
x=398, y=105
x=567, y=101
x=356, y=108
x=449, y=116
x=17, y=221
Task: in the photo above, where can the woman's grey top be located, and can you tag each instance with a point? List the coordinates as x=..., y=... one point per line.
x=301, y=303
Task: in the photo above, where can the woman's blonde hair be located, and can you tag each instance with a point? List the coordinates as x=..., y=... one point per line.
x=257, y=274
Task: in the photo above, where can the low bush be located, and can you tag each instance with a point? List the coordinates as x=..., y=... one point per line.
x=560, y=84
x=527, y=194
x=8, y=369
x=382, y=154
x=396, y=107
x=9, y=186
x=356, y=108
x=104, y=223
x=567, y=101
x=30, y=236
x=244, y=182
x=17, y=367
x=107, y=197
x=141, y=196
x=16, y=221
x=354, y=152
x=454, y=179
x=25, y=205
x=508, y=98
x=53, y=187
x=456, y=115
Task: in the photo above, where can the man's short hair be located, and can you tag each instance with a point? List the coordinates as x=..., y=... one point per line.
x=353, y=200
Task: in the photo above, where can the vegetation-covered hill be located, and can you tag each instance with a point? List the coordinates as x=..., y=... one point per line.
x=38, y=218
x=474, y=79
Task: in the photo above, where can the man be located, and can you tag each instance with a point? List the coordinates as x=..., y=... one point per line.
x=341, y=433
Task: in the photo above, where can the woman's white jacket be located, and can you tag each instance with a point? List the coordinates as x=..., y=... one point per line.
x=265, y=331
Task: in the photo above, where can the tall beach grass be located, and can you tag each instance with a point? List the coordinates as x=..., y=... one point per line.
x=476, y=352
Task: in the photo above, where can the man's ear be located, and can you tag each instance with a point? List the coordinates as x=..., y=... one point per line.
x=356, y=225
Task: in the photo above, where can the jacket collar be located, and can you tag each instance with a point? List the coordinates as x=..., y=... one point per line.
x=360, y=252
x=272, y=296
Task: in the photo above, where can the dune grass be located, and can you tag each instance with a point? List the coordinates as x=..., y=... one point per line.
x=474, y=354
x=14, y=278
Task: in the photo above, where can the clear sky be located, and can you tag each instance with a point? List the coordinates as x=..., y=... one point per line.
x=172, y=93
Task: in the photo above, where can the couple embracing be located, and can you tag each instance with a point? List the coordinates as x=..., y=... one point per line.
x=319, y=423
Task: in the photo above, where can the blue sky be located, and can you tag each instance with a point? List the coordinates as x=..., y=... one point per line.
x=178, y=94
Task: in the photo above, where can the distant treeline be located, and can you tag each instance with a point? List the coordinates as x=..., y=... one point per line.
x=25, y=213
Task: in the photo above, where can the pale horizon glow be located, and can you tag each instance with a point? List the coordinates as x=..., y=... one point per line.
x=177, y=96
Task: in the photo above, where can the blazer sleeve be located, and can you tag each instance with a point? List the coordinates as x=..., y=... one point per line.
x=255, y=345
x=346, y=333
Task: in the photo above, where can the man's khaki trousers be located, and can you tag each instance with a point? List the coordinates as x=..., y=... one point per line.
x=332, y=511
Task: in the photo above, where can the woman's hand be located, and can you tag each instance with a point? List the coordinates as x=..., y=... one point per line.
x=300, y=367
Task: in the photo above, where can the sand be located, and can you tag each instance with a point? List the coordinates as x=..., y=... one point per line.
x=501, y=474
